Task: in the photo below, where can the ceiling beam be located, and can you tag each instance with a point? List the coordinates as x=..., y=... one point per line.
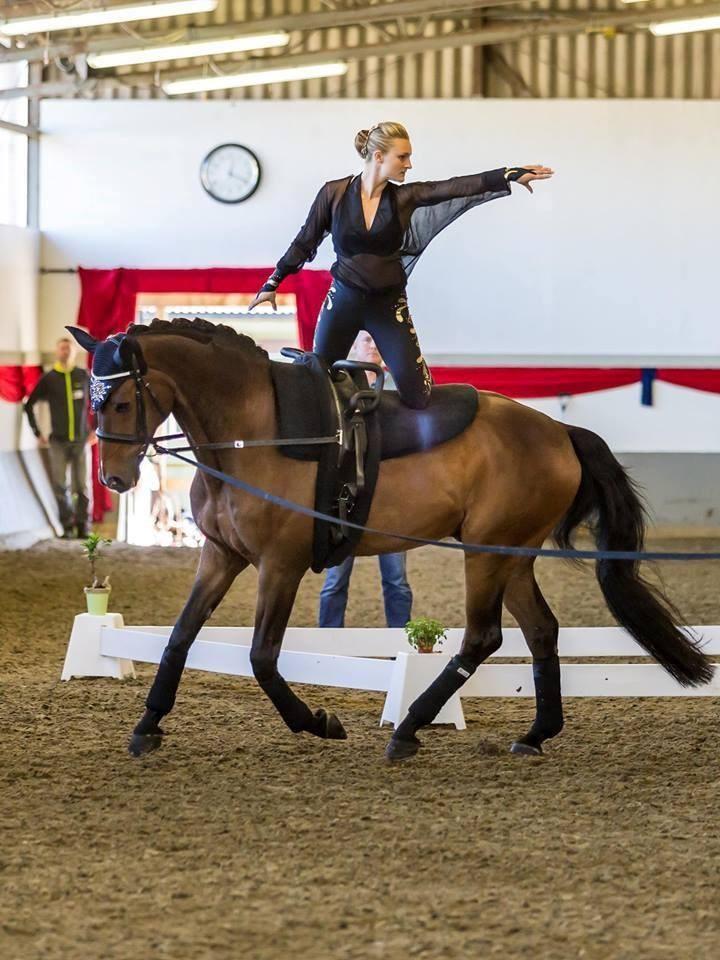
x=509, y=74
x=60, y=89
x=368, y=13
x=29, y=131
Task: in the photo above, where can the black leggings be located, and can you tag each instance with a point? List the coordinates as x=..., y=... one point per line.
x=387, y=319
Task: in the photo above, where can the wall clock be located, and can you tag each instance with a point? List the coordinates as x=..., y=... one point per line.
x=230, y=173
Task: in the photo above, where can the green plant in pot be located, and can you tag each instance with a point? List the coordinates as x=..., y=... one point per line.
x=97, y=595
x=425, y=634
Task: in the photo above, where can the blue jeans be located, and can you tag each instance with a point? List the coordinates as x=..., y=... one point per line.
x=397, y=594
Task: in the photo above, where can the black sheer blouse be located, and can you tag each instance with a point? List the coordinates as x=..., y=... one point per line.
x=408, y=217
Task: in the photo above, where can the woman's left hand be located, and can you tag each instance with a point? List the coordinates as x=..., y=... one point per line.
x=537, y=172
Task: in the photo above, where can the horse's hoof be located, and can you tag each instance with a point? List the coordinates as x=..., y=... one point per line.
x=142, y=743
x=335, y=730
x=401, y=749
x=521, y=749
x=328, y=726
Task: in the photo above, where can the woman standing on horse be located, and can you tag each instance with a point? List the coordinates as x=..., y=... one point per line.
x=380, y=225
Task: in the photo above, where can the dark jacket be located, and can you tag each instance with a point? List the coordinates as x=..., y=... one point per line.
x=67, y=396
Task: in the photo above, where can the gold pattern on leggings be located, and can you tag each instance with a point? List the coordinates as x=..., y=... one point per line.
x=402, y=315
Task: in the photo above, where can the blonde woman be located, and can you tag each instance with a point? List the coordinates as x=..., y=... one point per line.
x=380, y=225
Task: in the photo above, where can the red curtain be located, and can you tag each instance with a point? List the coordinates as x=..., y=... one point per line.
x=17, y=382
x=108, y=298
x=707, y=379
x=538, y=381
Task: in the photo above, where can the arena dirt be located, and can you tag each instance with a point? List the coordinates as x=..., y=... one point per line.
x=240, y=840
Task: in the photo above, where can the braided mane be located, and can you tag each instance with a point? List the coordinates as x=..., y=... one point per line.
x=199, y=329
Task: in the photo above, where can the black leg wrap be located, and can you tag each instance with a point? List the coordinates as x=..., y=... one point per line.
x=427, y=706
x=148, y=723
x=549, y=718
x=161, y=698
x=296, y=714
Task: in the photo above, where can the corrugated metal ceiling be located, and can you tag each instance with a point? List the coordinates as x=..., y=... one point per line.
x=620, y=61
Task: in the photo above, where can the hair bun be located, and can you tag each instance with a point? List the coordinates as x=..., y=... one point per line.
x=361, y=143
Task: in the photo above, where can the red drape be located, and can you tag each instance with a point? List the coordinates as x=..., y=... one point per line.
x=538, y=381
x=17, y=382
x=708, y=380
x=107, y=305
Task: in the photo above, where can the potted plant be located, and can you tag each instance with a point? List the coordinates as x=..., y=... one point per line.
x=425, y=634
x=97, y=594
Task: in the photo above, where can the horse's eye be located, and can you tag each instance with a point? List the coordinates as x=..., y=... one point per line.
x=122, y=407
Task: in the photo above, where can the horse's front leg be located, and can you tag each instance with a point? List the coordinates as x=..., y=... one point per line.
x=216, y=572
x=277, y=589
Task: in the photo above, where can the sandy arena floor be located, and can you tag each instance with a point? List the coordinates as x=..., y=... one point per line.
x=240, y=840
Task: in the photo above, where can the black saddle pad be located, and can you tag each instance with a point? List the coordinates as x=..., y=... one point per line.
x=451, y=410
x=304, y=409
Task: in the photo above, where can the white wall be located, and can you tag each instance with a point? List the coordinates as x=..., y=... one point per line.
x=22, y=517
x=614, y=257
x=19, y=261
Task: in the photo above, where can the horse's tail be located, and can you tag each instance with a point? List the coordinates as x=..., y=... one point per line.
x=610, y=502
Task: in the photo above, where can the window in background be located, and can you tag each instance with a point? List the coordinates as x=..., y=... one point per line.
x=270, y=330
x=13, y=148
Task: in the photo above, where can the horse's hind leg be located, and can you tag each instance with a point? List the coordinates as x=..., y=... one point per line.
x=485, y=579
x=216, y=571
x=540, y=628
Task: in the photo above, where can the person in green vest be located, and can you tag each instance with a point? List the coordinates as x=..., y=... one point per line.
x=65, y=389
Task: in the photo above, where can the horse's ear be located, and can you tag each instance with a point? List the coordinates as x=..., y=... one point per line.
x=128, y=349
x=85, y=339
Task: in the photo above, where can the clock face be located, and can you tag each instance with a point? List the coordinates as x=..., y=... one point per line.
x=230, y=173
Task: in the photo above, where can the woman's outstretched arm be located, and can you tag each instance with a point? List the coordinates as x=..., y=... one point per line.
x=491, y=182
x=427, y=192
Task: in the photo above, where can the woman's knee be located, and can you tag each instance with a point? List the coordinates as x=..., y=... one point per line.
x=417, y=397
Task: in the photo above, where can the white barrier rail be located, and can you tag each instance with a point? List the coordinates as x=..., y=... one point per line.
x=380, y=659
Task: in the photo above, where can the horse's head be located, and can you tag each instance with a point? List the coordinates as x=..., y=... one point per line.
x=130, y=400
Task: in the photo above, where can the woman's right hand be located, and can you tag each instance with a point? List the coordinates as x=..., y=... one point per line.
x=267, y=297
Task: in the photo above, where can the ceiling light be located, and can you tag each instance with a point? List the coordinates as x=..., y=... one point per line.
x=684, y=26
x=280, y=75
x=181, y=51
x=95, y=18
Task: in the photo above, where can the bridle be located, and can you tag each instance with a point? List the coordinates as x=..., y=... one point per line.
x=143, y=438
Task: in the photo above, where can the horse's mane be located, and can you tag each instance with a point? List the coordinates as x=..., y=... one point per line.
x=199, y=329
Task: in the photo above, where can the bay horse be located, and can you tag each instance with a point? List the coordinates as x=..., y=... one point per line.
x=514, y=476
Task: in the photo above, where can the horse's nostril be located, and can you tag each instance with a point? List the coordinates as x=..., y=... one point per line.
x=116, y=483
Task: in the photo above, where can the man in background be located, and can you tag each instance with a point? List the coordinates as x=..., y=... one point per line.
x=65, y=389
x=397, y=595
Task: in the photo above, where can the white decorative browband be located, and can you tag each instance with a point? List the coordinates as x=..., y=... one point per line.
x=100, y=390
